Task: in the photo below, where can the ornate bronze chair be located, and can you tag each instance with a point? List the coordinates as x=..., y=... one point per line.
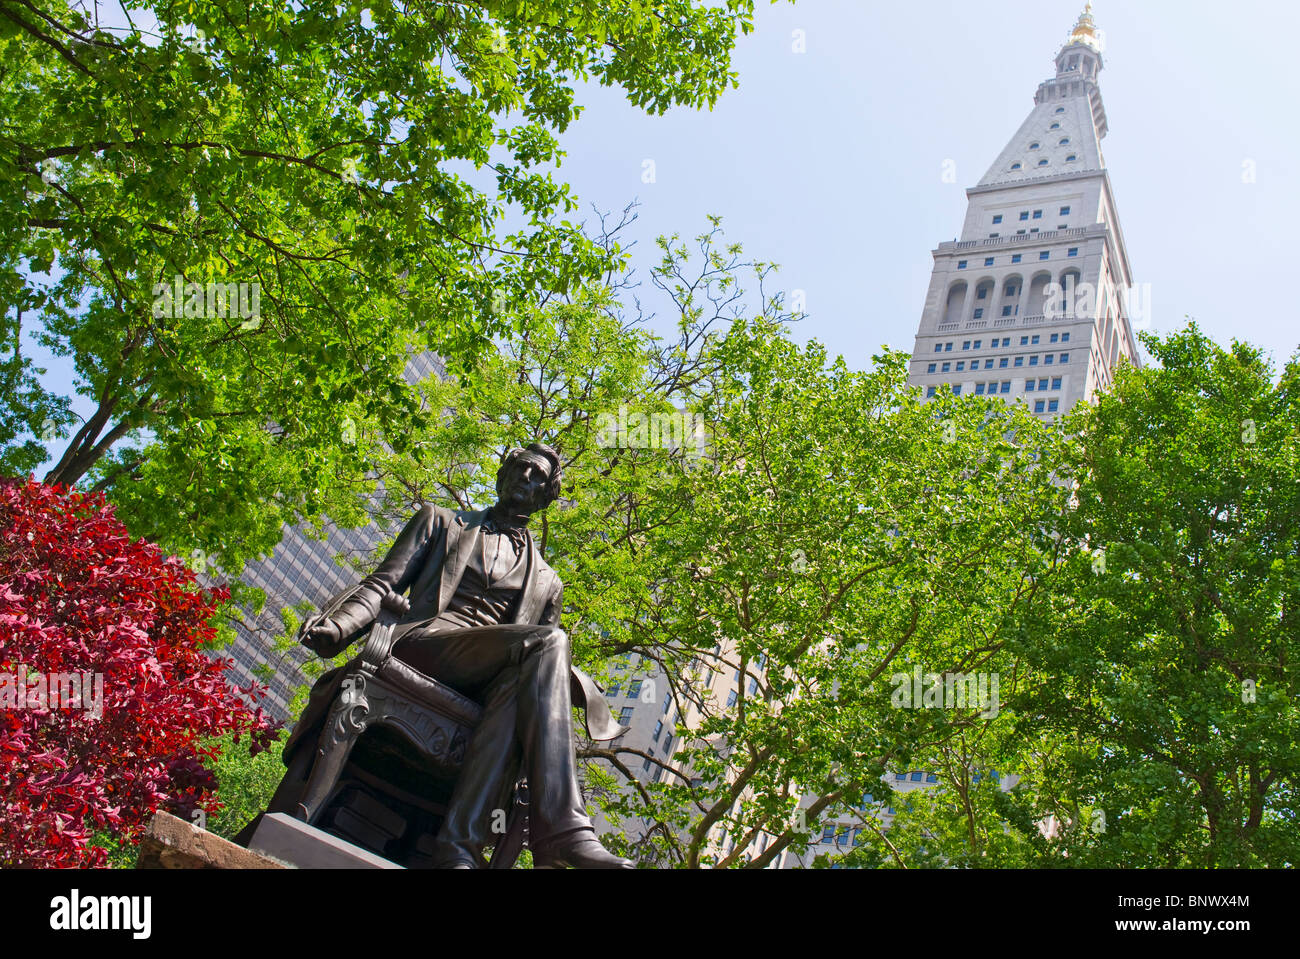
x=412, y=771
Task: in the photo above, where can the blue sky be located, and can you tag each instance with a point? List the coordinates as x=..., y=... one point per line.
x=829, y=161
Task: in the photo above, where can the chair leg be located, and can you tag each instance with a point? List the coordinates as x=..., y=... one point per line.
x=344, y=724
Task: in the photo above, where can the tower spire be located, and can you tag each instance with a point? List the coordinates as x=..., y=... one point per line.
x=1085, y=30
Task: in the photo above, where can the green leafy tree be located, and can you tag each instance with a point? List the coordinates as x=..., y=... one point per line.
x=1168, y=727
x=236, y=224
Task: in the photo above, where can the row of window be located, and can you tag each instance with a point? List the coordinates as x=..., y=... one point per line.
x=1027, y=340
x=1042, y=384
x=1004, y=363
x=1020, y=257
x=1025, y=215
x=1044, y=162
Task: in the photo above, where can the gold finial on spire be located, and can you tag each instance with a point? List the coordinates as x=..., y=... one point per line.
x=1085, y=29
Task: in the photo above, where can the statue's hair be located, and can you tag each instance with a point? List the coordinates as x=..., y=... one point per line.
x=547, y=453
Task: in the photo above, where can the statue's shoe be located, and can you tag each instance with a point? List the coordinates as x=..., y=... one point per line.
x=583, y=854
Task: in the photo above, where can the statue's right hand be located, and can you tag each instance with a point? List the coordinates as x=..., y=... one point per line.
x=323, y=637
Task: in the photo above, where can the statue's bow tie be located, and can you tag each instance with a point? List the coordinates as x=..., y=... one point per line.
x=517, y=535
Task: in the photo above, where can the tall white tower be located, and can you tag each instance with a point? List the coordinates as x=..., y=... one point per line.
x=1030, y=303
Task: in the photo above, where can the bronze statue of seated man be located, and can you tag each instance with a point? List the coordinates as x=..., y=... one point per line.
x=483, y=618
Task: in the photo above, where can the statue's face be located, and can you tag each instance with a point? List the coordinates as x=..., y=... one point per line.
x=523, y=488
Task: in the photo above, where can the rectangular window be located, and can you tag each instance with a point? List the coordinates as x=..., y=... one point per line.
x=997, y=218
x=956, y=390
x=1024, y=341
x=828, y=835
x=1065, y=211
x=1056, y=382
x=1002, y=363
x=1006, y=386
x=945, y=368
x=1033, y=341
x=1021, y=232
x=1072, y=251
x=1053, y=405
x=1042, y=384
x=731, y=698
x=931, y=778
x=966, y=345
x=931, y=368
x=979, y=389
x=1015, y=258
x=668, y=698
x=1038, y=406
x=1047, y=360
x=634, y=690
x=1029, y=386
x=1033, y=361
x=929, y=392
x=1055, y=337
x=753, y=685
x=961, y=264
x=1006, y=341
x=613, y=690
x=659, y=727
x=988, y=364
x=1045, y=255
x=1006, y=311
x=625, y=716
x=947, y=347
x=993, y=236
x=1020, y=361
x=1024, y=214
x=857, y=835
x=1062, y=226
x=938, y=347
x=961, y=366
x=1034, y=230
x=1065, y=337
x=1065, y=357
x=988, y=261
x=978, y=344
x=979, y=313
x=1038, y=214
x=668, y=746
x=982, y=292
x=917, y=777
x=645, y=765
x=901, y=777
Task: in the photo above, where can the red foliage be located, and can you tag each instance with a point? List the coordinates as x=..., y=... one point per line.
x=77, y=595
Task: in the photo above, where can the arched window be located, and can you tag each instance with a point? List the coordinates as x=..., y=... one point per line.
x=1064, y=141
x=956, y=297
x=1015, y=166
x=1043, y=162
x=1071, y=158
x=1060, y=109
x=1056, y=126
x=1034, y=145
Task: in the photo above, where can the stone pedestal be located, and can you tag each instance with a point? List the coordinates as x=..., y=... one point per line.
x=291, y=841
x=172, y=843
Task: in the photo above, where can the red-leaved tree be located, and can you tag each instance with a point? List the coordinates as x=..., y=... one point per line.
x=79, y=598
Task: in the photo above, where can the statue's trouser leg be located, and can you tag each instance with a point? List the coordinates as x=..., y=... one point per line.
x=521, y=675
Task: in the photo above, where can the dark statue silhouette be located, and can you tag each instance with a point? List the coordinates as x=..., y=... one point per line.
x=478, y=639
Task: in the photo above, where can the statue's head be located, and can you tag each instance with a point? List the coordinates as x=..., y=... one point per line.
x=529, y=479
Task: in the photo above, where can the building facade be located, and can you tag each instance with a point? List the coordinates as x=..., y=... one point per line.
x=1031, y=303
